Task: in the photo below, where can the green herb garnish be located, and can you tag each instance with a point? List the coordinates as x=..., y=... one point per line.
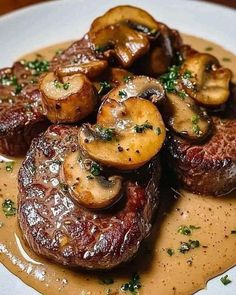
x=59, y=51
x=37, y=66
x=127, y=79
x=158, y=130
x=104, y=87
x=133, y=285
x=11, y=81
x=169, y=79
x=106, y=134
x=209, y=48
x=122, y=94
x=225, y=280
x=8, y=207
x=141, y=128
x=170, y=251
x=195, y=120
x=95, y=169
x=60, y=85
x=186, y=246
x=9, y=166
x=187, y=230
x=226, y=59
x=187, y=74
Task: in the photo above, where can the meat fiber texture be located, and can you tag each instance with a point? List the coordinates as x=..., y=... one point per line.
x=60, y=229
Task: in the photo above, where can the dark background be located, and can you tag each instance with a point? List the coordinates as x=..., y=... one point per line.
x=10, y=5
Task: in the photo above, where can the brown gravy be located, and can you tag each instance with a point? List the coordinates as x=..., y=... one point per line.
x=160, y=273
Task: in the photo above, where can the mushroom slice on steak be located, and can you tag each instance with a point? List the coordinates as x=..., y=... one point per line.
x=209, y=82
x=185, y=118
x=135, y=134
x=120, y=41
x=91, y=69
x=139, y=86
x=69, y=100
x=91, y=191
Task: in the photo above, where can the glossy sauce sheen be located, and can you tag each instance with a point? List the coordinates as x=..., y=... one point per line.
x=160, y=273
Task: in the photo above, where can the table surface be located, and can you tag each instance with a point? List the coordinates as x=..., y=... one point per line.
x=10, y=5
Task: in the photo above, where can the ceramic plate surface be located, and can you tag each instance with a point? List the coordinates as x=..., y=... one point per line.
x=41, y=25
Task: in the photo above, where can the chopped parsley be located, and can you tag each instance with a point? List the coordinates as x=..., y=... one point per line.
x=106, y=134
x=104, y=87
x=158, y=130
x=225, y=280
x=102, y=48
x=169, y=79
x=60, y=85
x=209, y=48
x=170, y=251
x=186, y=246
x=122, y=94
x=8, y=207
x=95, y=169
x=37, y=66
x=127, y=79
x=133, y=285
x=187, y=74
x=9, y=166
x=195, y=120
x=226, y=59
x=11, y=81
x=187, y=230
x=141, y=128
x=59, y=51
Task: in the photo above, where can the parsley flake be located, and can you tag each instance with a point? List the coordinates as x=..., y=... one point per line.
x=8, y=207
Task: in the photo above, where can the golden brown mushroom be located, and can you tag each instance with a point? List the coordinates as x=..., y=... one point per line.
x=136, y=134
x=91, y=191
x=69, y=100
x=208, y=83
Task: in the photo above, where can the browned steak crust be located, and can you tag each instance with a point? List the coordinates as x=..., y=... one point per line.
x=58, y=228
x=21, y=117
x=210, y=167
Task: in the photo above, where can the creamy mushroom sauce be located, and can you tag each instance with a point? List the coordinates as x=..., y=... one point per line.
x=159, y=272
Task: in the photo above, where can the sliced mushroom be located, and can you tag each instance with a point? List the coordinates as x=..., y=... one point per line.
x=91, y=69
x=138, y=137
x=94, y=192
x=209, y=82
x=120, y=41
x=69, y=100
x=110, y=79
x=139, y=86
x=136, y=18
x=185, y=118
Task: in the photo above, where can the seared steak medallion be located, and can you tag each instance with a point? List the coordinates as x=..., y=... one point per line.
x=57, y=227
x=210, y=167
x=21, y=116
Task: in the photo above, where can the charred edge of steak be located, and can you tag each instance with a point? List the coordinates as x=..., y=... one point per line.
x=59, y=229
x=210, y=167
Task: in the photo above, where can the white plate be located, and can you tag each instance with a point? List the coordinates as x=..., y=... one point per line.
x=41, y=25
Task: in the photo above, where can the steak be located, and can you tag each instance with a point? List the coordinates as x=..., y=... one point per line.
x=57, y=227
x=21, y=116
x=210, y=167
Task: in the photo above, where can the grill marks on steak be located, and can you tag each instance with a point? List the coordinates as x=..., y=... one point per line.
x=58, y=228
x=21, y=117
x=210, y=167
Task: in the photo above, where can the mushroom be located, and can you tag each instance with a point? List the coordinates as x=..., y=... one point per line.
x=184, y=117
x=136, y=129
x=135, y=17
x=110, y=79
x=91, y=69
x=94, y=192
x=138, y=86
x=120, y=41
x=209, y=82
x=68, y=100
